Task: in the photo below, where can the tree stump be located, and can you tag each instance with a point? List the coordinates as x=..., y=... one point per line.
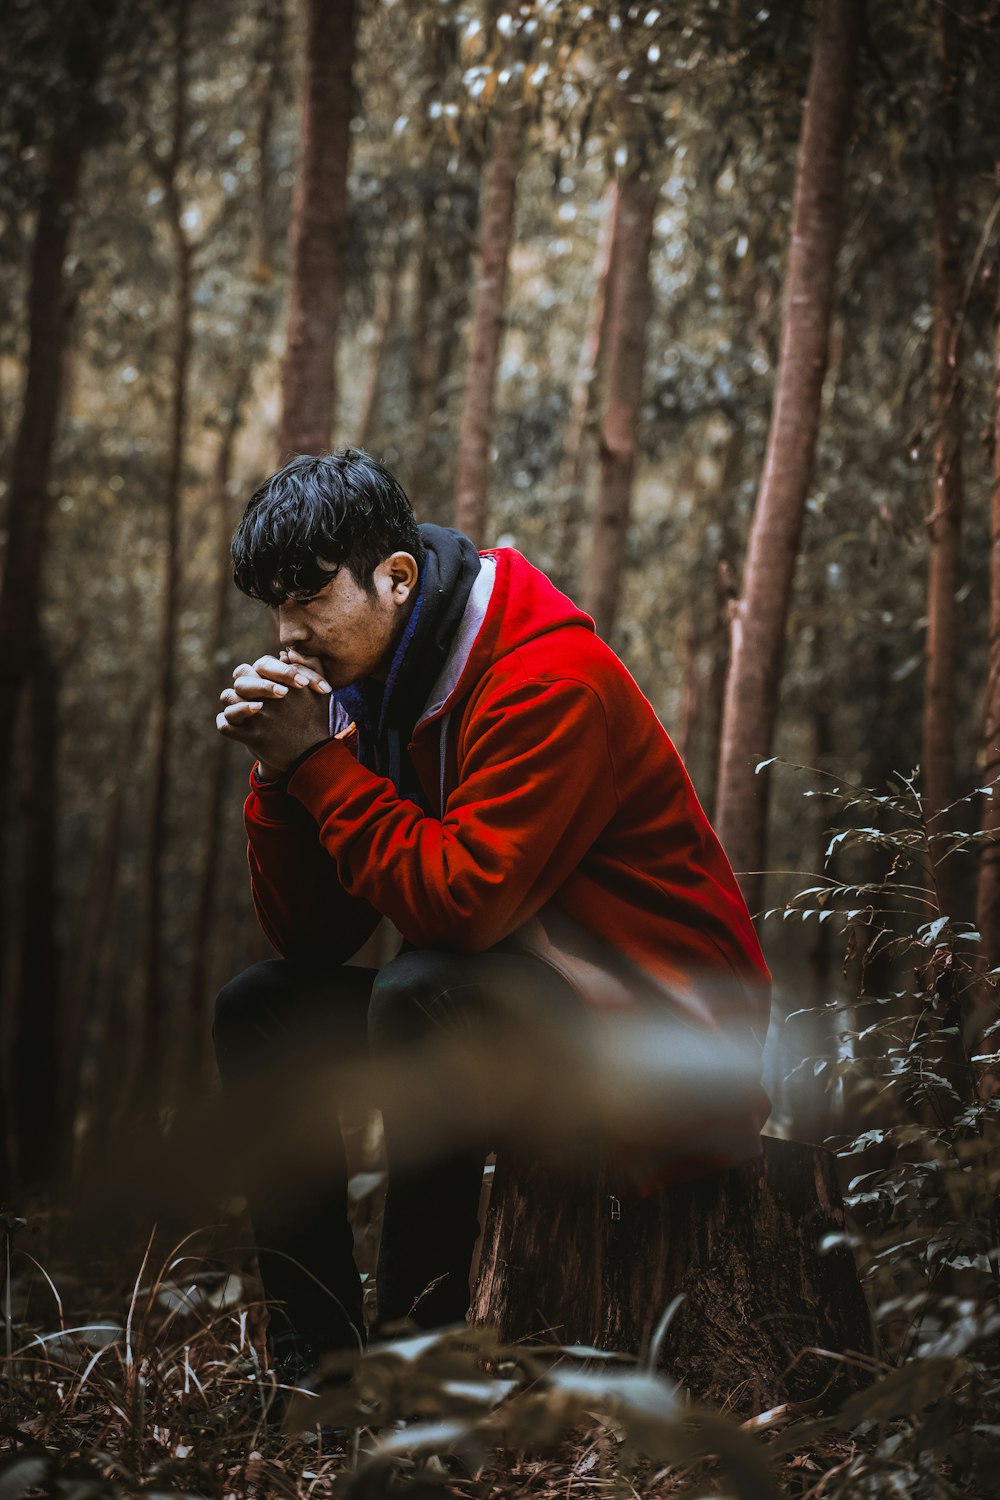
x=570, y=1258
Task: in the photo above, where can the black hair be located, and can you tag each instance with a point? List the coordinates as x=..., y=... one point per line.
x=342, y=508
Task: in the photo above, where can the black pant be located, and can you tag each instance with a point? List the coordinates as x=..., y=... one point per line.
x=279, y=1023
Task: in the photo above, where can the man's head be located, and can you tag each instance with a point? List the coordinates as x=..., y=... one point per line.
x=330, y=543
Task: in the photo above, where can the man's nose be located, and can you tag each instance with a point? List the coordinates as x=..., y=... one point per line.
x=291, y=628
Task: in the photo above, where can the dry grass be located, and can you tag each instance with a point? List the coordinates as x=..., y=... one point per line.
x=165, y=1391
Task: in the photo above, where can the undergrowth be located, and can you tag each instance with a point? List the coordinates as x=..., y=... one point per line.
x=169, y=1393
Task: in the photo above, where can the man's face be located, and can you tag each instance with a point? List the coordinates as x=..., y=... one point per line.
x=353, y=632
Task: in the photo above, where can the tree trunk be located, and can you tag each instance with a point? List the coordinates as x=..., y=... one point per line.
x=988, y=895
x=574, y=1259
x=581, y=398
x=944, y=522
x=196, y=1064
x=152, y=999
x=319, y=231
x=812, y=1101
x=449, y=215
x=385, y=323
x=760, y=618
x=438, y=55
x=50, y=311
x=85, y=1013
x=423, y=363
x=724, y=600
x=496, y=233
x=196, y=1048
x=269, y=60
x=40, y=1103
x=628, y=316
x=687, y=719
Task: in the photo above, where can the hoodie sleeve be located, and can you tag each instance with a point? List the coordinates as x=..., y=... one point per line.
x=300, y=901
x=535, y=789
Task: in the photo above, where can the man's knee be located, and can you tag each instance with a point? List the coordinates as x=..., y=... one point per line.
x=242, y=1002
x=254, y=1013
x=412, y=996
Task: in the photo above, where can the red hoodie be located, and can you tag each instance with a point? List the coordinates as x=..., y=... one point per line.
x=563, y=797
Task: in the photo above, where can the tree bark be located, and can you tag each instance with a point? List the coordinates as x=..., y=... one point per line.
x=760, y=617
x=945, y=519
x=571, y=1257
x=687, y=719
x=581, y=398
x=319, y=230
x=439, y=53
x=446, y=237
x=85, y=1015
x=723, y=601
x=385, y=322
x=269, y=60
x=50, y=310
x=197, y=1060
x=40, y=1103
x=627, y=320
x=988, y=893
x=196, y=1051
x=496, y=233
x=152, y=1077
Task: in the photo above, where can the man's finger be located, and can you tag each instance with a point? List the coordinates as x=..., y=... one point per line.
x=268, y=667
x=239, y=712
x=311, y=663
x=252, y=687
x=292, y=672
x=223, y=725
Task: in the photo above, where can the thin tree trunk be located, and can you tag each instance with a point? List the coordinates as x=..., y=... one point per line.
x=319, y=230
x=725, y=597
x=628, y=316
x=496, y=233
x=813, y=1105
x=449, y=214
x=40, y=1110
x=86, y=1006
x=152, y=1000
x=269, y=61
x=425, y=324
x=196, y=1055
x=386, y=308
x=196, y=1051
x=437, y=310
x=423, y=361
x=988, y=894
x=760, y=618
x=687, y=719
x=29, y=507
x=725, y=600
x=581, y=400
x=944, y=522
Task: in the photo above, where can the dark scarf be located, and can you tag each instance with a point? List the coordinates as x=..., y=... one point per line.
x=385, y=713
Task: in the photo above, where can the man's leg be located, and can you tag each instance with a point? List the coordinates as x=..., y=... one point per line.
x=277, y=1027
x=430, y=1226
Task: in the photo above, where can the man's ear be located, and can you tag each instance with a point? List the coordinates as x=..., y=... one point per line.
x=404, y=575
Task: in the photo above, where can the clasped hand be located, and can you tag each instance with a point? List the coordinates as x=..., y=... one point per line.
x=279, y=707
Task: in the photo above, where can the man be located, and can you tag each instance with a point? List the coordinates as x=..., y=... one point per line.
x=442, y=739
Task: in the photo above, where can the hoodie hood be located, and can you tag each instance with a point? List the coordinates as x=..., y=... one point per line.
x=520, y=605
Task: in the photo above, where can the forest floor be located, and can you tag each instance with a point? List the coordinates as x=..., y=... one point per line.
x=124, y=1379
